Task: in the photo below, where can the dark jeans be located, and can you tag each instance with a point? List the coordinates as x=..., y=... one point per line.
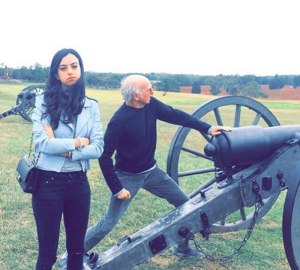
x=57, y=195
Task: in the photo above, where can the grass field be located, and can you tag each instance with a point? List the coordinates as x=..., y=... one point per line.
x=18, y=240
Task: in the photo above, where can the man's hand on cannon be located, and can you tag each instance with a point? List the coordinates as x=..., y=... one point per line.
x=217, y=130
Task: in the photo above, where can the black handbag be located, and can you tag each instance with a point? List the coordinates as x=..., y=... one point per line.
x=27, y=172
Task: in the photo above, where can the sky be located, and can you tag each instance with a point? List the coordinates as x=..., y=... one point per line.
x=211, y=37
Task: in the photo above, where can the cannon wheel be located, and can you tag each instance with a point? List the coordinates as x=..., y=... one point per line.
x=291, y=222
x=187, y=147
x=26, y=100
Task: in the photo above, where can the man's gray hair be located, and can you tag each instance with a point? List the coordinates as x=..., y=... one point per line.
x=129, y=86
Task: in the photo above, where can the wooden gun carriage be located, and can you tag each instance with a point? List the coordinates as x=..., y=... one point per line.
x=245, y=171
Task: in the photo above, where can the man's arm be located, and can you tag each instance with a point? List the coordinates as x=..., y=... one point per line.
x=168, y=114
x=171, y=115
x=111, y=140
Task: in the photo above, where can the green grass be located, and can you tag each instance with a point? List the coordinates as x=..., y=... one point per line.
x=18, y=238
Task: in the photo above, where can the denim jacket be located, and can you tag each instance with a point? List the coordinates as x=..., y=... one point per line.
x=50, y=150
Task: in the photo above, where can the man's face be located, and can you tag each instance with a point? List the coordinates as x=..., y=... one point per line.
x=146, y=91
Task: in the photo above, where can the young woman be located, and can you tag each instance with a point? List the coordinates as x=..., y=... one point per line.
x=67, y=132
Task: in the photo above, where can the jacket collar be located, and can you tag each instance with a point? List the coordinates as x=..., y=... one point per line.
x=83, y=117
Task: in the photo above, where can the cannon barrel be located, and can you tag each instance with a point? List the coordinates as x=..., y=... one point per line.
x=249, y=144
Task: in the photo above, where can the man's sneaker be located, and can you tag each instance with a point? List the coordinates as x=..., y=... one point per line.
x=92, y=260
x=189, y=252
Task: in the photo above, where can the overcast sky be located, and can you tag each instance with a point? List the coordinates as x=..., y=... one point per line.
x=204, y=37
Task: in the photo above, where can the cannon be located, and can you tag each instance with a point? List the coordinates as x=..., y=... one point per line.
x=239, y=176
x=233, y=149
x=25, y=102
x=271, y=155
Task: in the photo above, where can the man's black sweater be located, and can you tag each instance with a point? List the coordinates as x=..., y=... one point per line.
x=131, y=135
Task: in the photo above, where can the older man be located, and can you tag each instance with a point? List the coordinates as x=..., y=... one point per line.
x=131, y=135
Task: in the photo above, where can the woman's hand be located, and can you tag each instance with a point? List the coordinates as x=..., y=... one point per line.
x=49, y=130
x=81, y=142
x=66, y=154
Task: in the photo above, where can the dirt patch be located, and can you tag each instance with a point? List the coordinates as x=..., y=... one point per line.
x=287, y=92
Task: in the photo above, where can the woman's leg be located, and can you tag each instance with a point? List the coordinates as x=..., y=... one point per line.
x=47, y=204
x=76, y=215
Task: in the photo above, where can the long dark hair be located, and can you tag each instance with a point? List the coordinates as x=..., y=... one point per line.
x=63, y=102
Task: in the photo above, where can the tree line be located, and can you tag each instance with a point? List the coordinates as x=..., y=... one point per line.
x=246, y=85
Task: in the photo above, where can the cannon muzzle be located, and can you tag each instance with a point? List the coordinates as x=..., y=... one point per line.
x=249, y=144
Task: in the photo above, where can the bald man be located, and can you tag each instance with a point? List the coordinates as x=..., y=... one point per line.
x=131, y=136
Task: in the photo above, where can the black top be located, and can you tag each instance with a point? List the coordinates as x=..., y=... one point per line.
x=131, y=132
